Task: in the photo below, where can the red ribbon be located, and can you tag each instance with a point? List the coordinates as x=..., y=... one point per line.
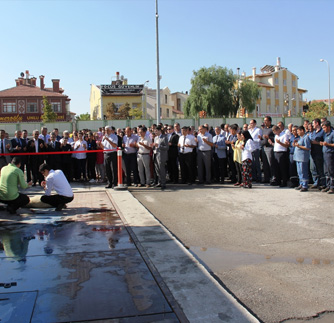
x=59, y=152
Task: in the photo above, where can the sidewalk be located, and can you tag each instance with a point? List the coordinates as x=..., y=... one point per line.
x=105, y=258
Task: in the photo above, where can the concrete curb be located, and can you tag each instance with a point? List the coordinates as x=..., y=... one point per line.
x=199, y=295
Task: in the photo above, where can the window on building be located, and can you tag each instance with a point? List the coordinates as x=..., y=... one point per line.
x=268, y=94
x=276, y=80
x=268, y=107
x=166, y=99
x=118, y=105
x=56, y=106
x=276, y=95
x=178, y=102
x=134, y=105
x=9, y=107
x=300, y=96
x=294, y=96
x=294, y=83
x=277, y=108
x=167, y=113
x=284, y=82
x=32, y=107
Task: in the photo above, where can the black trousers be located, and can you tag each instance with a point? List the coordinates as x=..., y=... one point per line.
x=173, y=169
x=130, y=161
x=20, y=201
x=231, y=166
x=110, y=161
x=56, y=199
x=187, y=169
x=219, y=166
x=91, y=161
x=281, y=167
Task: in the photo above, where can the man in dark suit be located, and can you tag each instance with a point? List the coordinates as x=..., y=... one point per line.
x=54, y=146
x=19, y=146
x=36, y=146
x=173, y=151
x=25, y=159
x=5, y=148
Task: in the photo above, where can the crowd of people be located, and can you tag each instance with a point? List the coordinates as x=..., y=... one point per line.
x=295, y=156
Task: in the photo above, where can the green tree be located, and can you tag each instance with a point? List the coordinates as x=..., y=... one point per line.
x=110, y=111
x=317, y=110
x=136, y=113
x=113, y=114
x=83, y=117
x=211, y=91
x=48, y=114
x=249, y=93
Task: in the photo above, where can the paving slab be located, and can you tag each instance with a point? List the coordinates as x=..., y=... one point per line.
x=76, y=265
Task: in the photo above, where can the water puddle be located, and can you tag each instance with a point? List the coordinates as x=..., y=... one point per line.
x=216, y=259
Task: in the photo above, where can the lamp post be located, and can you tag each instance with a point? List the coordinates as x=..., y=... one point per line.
x=158, y=71
x=329, y=86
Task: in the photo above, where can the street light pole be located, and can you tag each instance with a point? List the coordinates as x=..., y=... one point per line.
x=158, y=71
x=329, y=86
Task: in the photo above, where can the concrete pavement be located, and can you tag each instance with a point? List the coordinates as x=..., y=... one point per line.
x=103, y=258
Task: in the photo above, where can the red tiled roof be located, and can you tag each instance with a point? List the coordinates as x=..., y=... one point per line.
x=28, y=90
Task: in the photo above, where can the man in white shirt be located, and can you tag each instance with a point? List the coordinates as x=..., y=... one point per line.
x=256, y=134
x=109, y=144
x=204, y=140
x=55, y=180
x=281, y=157
x=144, y=145
x=186, y=145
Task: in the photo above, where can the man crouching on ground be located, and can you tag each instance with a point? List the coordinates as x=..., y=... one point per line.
x=11, y=177
x=55, y=180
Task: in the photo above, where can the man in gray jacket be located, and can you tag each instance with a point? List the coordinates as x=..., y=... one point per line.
x=160, y=150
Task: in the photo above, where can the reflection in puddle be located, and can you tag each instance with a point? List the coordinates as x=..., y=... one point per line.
x=221, y=260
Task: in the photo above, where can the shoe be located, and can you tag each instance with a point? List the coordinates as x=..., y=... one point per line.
x=136, y=185
x=163, y=187
x=34, y=184
x=303, y=189
x=249, y=185
x=92, y=181
x=298, y=188
x=11, y=209
x=108, y=186
x=236, y=184
x=157, y=185
x=325, y=190
x=60, y=207
x=147, y=185
x=331, y=191
x=314, y=187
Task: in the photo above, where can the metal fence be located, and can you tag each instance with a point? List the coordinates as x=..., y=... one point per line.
x=95, y=124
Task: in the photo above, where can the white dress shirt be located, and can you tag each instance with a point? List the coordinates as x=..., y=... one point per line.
x=255, y=133
x=57, y=181
x=283, y=137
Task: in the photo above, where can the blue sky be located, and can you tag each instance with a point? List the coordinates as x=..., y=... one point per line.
x=87, y=42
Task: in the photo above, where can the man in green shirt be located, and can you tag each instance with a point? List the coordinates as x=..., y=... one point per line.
x=12, y=176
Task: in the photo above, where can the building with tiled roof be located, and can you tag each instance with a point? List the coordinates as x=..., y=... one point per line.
x=280, y=94
x=24, y=102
